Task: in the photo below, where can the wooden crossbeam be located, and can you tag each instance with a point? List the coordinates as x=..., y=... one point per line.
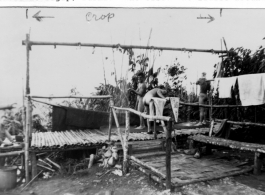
x=79, y=44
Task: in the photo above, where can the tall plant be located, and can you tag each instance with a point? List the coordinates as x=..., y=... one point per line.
x=241, y=61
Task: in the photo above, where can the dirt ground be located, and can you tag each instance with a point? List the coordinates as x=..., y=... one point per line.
x=136, y=183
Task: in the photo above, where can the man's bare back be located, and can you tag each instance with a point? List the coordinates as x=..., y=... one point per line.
x=157, y=92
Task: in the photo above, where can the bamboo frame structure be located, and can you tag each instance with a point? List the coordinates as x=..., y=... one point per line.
x=28, y=118
x=29, y=44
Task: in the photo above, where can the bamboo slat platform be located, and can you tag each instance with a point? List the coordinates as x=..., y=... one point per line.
x=230, y=143
x=187, y=170
x=88, y=138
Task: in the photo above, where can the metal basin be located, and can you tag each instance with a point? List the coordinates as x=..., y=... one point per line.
x=185, y=125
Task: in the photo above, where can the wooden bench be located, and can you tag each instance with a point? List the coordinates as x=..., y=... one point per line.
x=258, y=149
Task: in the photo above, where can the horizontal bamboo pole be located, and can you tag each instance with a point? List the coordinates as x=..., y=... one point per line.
x=88, y=97
x=122, y=46
x=164, y=118
x=12, y=153
x=7, y=107
x=242, y=123
x=209, y=106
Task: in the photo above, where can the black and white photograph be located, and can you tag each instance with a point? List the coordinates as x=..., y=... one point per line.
x=149, y=97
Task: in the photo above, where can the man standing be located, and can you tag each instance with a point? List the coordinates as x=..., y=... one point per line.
x=140, y=92
x=204, y=87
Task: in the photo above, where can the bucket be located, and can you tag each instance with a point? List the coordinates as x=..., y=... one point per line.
x=8, y=177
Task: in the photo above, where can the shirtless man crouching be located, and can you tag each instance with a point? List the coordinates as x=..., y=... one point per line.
x=140, y=92
x=158, y=93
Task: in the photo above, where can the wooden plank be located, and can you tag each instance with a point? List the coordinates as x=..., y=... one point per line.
x=178, y=182
x=157, y=164
x=173, y=168
x=150, y=154
x=149, y=167
x=230, y=143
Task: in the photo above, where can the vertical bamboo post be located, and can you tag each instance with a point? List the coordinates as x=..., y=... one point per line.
x=118, y=127
x=27, y=141
x=126, y=138
x=27, y=113
x=111, y=103
x=33, y=165
x=257, y=163
x=237, y=108
x=211, y=104
x=255, y=114
x=226, y=111
x=189, y=109
x=168, y=155
x=24, y=122
x=155, y=133
x=30, y=122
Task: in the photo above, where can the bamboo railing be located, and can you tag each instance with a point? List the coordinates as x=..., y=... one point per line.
x=124, y=139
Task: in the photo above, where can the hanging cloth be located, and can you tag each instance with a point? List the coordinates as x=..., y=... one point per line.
x=252, y=89
x=225, y=86
x=175, y=107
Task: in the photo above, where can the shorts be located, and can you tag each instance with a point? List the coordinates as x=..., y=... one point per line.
x=140, y=104
x=203, y=98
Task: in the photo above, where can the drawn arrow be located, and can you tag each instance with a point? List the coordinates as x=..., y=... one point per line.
x=210, y=17
x=39, y=18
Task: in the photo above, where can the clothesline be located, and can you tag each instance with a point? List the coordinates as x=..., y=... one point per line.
x=251, y=88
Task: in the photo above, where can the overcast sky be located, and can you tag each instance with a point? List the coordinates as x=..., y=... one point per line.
x=56, y=71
